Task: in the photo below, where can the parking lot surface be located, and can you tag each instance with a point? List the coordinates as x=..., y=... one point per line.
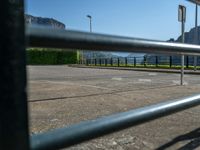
x=62, y=95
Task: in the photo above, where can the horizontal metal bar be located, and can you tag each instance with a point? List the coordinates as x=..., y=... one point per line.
x=195, y=1
x=54, y=38
x=74, y=134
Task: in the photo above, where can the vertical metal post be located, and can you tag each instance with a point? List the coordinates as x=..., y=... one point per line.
x=13, y=97
x=145, y=61
x=182, y=19
x=118, y=62
x=95, y=61
x=187, y=61
x=91, y=24
x=78, y=57
x=87, y=62
x=82, y=57
x=135, y=63
x=126, y=61
x=196, y=36
x=170, y=61
x=156, y=61
x=90, y=20
x=111, y=61
x=182, y=56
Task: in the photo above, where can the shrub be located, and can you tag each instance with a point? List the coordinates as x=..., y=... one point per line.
x=44, y=56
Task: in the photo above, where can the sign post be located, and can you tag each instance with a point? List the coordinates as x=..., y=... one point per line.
x=182, y=19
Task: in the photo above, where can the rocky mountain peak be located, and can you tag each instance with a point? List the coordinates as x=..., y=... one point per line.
x=49, y=22
x=189, y=36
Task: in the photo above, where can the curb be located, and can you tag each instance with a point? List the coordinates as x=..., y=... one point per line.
x=138, y=69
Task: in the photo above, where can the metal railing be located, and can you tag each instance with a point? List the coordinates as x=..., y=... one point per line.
x=74, y=134
x=44, y=37
x=145, y=61
x=14, y=134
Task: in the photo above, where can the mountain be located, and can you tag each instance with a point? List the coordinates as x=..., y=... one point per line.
x=90, y=54
x=189, y=36
x=136, y=55
x=48, y=22
x=189, y=39
x=176, y=60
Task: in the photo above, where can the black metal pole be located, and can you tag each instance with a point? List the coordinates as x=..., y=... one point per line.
x=187, y=61
x=144, y=61
x=170, y=61
x=156, y=61
x=74, y=134
x=95, y=61
x=126, y=61
x=111, y=61
x=87, y=62
x=135, y=62
x=118, y=62
x=13, y=97
x=182, y=56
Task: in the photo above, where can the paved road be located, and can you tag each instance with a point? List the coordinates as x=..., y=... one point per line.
x=104, y=81
x=61, y=95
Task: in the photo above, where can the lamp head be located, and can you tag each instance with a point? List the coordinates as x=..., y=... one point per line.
x=89, y=16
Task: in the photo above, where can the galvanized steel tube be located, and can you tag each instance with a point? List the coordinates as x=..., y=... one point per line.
x=54, y=38
x=74, y=134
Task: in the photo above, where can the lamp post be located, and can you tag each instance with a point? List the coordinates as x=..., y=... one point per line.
x=90, y=18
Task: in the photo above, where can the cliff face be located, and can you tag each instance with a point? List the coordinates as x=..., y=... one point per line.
x=189, y=36
x=49, y=22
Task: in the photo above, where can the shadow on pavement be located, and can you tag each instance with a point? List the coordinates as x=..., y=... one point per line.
x=193, y=137
x=97, y=94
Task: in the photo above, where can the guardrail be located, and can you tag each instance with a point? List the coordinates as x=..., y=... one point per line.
x=145, y=61
x=74, y=134
x=14, y=133
x=44, y=37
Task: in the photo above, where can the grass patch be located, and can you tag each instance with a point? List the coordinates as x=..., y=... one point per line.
x=177, y=67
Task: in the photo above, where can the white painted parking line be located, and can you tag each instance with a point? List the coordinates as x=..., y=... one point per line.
x=144, y=80
x=117, y=79
x=152, y=74
x=177, y=82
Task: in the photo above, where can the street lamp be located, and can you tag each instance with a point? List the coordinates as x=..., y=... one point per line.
x=90, y=18
x=197, y=2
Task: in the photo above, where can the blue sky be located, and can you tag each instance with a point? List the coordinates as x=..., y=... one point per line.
x=151, y=19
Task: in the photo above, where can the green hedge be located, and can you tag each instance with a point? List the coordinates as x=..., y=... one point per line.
x=44, y=56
